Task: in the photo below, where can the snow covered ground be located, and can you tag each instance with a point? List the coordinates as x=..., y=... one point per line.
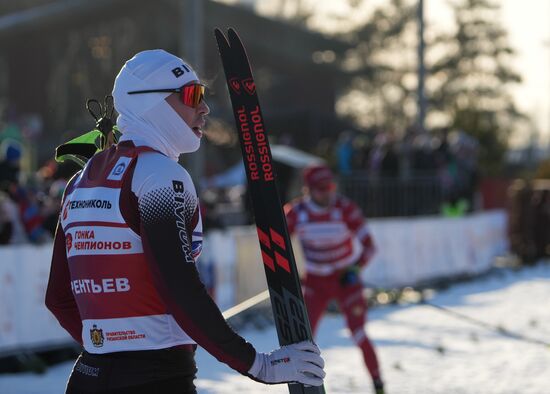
x=422, y=349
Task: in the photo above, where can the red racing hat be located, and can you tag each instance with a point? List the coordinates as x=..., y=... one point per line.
x=319, y=177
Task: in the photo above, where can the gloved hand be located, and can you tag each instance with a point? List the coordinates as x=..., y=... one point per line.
x=350, y=276
x=299, y=362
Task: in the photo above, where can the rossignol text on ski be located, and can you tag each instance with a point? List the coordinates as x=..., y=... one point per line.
x=283, y=282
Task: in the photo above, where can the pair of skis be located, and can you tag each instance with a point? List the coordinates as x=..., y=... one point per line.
x=289, y=311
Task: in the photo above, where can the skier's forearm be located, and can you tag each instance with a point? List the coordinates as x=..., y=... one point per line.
x=177, y=280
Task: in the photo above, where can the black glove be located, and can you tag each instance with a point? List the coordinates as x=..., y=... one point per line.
x=350, y=276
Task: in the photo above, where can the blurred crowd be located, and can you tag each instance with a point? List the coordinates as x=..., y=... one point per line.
x=29, y=203
x=450, y=157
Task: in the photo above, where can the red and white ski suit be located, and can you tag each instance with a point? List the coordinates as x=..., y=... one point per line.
x=334, y=239
x=123, y=278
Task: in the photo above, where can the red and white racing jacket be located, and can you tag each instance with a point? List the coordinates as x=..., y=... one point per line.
x=332, y=237
x=123, y=273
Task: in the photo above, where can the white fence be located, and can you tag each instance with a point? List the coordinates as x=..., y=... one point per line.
x=410, y=251
x=416, y=250
x=25, y=323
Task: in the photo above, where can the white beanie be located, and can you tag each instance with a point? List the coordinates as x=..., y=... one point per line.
x=147, y=118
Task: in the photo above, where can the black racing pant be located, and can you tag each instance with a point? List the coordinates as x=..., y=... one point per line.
x=149, y=371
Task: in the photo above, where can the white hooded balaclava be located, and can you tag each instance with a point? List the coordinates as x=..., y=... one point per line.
x=147, y=118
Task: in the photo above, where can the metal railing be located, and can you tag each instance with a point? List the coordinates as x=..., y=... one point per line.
x=386, y=197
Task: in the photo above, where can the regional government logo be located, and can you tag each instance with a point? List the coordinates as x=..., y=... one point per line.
x=96, y=336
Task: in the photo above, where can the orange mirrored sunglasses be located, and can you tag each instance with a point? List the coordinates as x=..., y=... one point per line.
x=191, y=95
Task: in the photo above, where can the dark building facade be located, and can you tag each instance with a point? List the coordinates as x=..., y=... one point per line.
x=56, y=54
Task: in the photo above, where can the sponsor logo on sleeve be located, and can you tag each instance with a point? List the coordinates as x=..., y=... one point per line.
x=119, y=169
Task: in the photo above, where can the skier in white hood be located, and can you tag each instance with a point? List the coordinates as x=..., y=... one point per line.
x=167, y=119
x=123, y=279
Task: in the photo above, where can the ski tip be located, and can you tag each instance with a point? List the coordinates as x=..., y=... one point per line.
x=222, y=42
x=232, y=34
x=235, y=41
x=230, y=31
x=218, y=33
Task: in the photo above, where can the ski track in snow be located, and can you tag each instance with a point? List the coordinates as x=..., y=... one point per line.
x=421, y=349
